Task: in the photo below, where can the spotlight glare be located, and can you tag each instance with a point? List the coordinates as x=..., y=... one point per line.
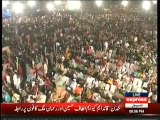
x=31, y=3
x=50, y=6
x=73, y=5
x=124, y=3
x=18, y=7
x=154, y=2
x=99, y=3
x=5, y=3
x=58, y=2
x=146, y=5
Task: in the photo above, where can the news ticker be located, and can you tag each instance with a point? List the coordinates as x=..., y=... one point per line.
x=76, y=109
x=136, y=100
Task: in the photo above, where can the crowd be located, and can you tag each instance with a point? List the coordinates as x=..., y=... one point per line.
x=79, y=57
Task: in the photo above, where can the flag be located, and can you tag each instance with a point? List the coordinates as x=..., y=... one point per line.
x=68, y=53
x=39, y=69
x=39, y=65
x=6, y=49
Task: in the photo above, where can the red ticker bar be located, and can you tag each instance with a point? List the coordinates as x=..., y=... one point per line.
x=74, y=108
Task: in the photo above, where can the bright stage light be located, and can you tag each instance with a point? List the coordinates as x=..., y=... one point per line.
x=73, y=5
x=5, y=3
x=50, y=7
x=58, y=2
x=99, y=3
x=31, y=3
x=18, y=7
x=154, y=2
x=146, y=5
x=124, y=3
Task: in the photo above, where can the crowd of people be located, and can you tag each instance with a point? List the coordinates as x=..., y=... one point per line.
x=68, y=56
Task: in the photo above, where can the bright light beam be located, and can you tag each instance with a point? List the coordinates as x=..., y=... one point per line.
x=50, y=6
x=146, y=5
x=73, y=5
x=58, y=2
x=98, y=3
x=5, y=3
x=18, y=7
x=31, y=3
x=154, y=2
x=124, y=3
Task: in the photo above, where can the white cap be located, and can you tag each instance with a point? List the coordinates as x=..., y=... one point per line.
x=110, y=51
x=91, y=47
x=63, y=57
x=57, y=44
x=135, y=39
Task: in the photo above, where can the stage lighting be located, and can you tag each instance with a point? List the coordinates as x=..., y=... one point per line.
x=31, y=3
x=73, y=5
x=146, y=5
x=5, y=3
x=50, y=6
x=124, y=3
x=154, y=2
x=99, y=3
x=18, y=7
x=58, y=2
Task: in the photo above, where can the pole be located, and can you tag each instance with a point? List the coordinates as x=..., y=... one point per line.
x=45, y=50
x=17, y=62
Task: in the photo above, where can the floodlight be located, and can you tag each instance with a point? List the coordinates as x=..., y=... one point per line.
x=50, y=6
x=31, y=3
x=73, y=5
x=124, y=3
x=99, y=3
x=58, y=2
x=7, y=10
x=146, y=5
x=5, y=3
x=154, y=2
x=18, y=7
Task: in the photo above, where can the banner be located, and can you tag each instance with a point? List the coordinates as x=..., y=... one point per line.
x=76, y=109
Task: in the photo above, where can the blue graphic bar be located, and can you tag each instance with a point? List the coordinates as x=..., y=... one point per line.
x=129, y=94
